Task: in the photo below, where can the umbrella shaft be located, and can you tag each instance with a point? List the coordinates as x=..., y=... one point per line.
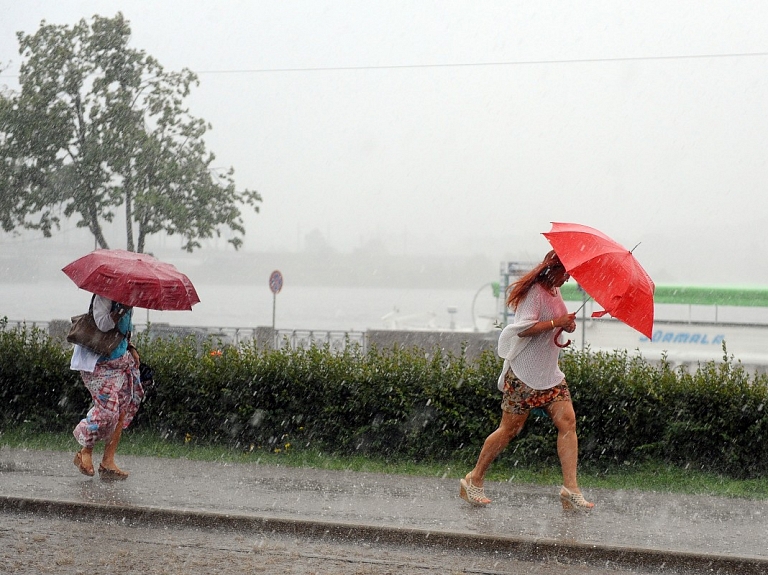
x=583, y=304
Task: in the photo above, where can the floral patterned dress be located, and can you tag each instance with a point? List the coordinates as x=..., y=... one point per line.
x=115, y=388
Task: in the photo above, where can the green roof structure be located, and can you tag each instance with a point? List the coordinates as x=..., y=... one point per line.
x=693, y=295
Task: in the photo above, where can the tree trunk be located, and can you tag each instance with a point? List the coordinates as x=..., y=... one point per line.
x=128, y=220
x=142, y=239
x=96, y=230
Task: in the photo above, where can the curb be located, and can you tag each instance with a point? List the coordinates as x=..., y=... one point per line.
x=520, y=547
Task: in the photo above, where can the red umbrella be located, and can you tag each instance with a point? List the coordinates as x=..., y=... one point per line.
x=608, y=272
x=133, y=279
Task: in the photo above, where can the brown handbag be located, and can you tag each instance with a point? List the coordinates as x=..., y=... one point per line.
x=84, y=332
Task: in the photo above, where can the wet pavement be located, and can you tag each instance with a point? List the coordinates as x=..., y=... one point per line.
x=685, y=532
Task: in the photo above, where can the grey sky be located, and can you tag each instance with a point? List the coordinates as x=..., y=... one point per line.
x=468, y=126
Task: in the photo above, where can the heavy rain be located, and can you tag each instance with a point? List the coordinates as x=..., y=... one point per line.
x=319, y=210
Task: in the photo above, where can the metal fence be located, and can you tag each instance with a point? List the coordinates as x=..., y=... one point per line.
x=291, y=338
x=336, y=340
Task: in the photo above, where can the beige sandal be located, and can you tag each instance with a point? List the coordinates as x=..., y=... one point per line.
x=573, y=500
x=472, y=494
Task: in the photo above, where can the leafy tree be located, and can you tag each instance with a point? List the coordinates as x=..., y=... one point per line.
x=99, y=126
x=7, y=203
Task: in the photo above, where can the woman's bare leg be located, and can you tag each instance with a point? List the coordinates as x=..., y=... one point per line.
x=564, y=418
x=510, y=426
x=110, y=448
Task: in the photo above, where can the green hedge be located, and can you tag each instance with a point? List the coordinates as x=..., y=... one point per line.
x=406, y=403
x=36, y=385
x=713, y=419
x=398, y=403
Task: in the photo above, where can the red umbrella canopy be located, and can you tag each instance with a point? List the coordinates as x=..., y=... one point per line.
x=137, y=280
x=608, y=272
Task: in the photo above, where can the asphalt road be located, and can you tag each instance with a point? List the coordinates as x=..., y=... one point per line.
x=35, y=543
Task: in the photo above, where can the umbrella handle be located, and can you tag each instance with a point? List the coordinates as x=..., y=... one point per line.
x=557, y=338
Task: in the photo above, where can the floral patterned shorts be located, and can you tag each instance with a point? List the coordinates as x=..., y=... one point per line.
x=520, y=399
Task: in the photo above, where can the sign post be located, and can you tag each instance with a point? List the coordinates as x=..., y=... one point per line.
x=275, y=285
x=509, y=273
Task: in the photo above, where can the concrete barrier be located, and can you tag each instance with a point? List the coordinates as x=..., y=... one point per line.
x=472, y=343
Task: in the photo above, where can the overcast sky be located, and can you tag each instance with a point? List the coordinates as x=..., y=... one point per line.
x=468, y=126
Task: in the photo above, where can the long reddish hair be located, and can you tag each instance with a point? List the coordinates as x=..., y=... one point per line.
x=541, y=274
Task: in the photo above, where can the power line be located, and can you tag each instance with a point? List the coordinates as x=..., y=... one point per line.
x=488, y=64
x=475, y=64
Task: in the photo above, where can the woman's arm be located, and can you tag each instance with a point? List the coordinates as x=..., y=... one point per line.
x=102, y=313
x=134, y=353
x=567, y=322
x=105, y=318
x=530, y=309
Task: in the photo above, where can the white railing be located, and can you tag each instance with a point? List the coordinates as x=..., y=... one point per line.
x=337, y=341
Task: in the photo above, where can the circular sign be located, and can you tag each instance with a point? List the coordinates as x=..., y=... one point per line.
x=276, y=281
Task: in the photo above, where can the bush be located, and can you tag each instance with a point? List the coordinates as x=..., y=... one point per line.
x=398, y=403
x=405, y=403
x=36, y=385
x=629, y=410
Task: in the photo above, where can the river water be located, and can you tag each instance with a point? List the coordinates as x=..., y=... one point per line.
x=324, y=308
x=295, y=307
x=696, y=334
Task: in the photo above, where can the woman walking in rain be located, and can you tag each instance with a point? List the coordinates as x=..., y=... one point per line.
x=113, y=382
x=531, y=378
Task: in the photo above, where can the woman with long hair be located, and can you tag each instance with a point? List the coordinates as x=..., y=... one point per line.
x=531, y=378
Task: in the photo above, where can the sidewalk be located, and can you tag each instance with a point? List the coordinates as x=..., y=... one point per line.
x=720, y=535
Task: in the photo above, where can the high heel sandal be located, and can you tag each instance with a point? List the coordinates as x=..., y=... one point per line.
x=573, y=500
x=471, y=493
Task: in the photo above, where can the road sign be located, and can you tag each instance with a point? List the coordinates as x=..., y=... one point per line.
x=276, y=282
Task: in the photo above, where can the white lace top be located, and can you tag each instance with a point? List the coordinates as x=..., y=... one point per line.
x=533, y=359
